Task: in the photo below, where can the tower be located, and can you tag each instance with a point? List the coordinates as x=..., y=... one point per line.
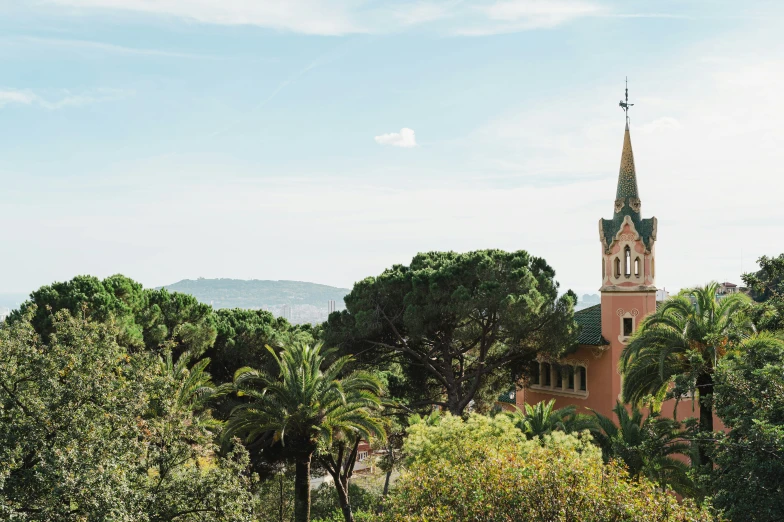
x=588, y=377
x=628, y=291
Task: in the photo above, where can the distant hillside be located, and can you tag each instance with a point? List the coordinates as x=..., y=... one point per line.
x=239, y=293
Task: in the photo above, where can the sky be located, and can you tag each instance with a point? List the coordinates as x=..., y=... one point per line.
x=327, y=140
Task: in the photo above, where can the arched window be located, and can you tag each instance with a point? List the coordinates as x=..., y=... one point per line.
x=547, y=374
x=583, y=378
x=627, y=264
x=637, y=267
x=653, y=268
x=603, y=269
x=617, y=267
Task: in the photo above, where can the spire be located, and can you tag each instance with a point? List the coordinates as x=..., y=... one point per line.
x=627, y=197
x=627, y=177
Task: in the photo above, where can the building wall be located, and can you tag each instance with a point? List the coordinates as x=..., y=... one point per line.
x=599, y=371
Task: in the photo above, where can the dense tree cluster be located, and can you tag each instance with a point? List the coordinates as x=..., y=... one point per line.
x=124, y=403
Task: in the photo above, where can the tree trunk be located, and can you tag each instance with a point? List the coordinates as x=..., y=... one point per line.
x=281, y=497
x=344, y=501
x=705, y=387
x=302, y=489
x=386, y=483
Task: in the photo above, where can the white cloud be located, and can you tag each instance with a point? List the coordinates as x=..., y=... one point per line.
x=9, y=96
x=302, y=16
x=404, y=138
x=337, y=17
x=66, y=99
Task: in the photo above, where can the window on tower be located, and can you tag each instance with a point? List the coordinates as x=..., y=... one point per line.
x=637, y=267
x=627, y=265
x=627, y=326
x=617, y=267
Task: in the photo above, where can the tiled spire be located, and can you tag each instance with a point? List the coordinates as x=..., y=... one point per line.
x=627, y=177
x=627, y=198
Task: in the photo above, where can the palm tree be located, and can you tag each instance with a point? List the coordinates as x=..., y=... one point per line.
x=645, y=445
x=542, y=418
x=304, y=407
x=194, y=387
x=680, y=345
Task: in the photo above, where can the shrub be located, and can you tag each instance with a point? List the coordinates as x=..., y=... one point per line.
x=479, y=470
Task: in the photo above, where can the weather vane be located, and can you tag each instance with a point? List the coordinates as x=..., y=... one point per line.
x=625, y=104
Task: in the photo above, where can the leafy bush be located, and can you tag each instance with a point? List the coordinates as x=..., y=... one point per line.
x=484, y=469
x=749, y=479
x=324, y=502
x=91, y=432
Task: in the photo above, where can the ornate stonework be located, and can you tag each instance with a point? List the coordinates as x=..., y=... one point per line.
x=618, y=205
x=635, y=204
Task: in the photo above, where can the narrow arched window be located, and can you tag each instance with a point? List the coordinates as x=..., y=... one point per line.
x=627, y=263
x=653, y=268
x=617, y=267
x=603, y=269
x=548, y=377
x=637, y=267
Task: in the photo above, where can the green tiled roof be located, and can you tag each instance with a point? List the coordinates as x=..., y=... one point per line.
x=590, y=322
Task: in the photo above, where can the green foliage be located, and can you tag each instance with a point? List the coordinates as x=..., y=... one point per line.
x=645, y=445
x=458, y=326
x=749, y=481
x=91, y=432
x=242, y=338
x=325, y=505
x=484, y=469
x=767, y=288
x=542, y=418
x=150, y=319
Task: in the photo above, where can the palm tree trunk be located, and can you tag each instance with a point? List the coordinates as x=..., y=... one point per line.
x=302, y=489
x=705, y=388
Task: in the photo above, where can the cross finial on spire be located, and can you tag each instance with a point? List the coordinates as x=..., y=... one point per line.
x=625, y=104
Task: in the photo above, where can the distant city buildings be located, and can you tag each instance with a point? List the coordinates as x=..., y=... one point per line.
x=286, y=312
x=662, y=294
x=330, y=306
x=4, y=313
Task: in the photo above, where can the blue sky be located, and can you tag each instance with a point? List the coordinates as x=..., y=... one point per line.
x=171, y=139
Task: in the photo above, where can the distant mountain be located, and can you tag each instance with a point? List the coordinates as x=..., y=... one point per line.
x=239, y=293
